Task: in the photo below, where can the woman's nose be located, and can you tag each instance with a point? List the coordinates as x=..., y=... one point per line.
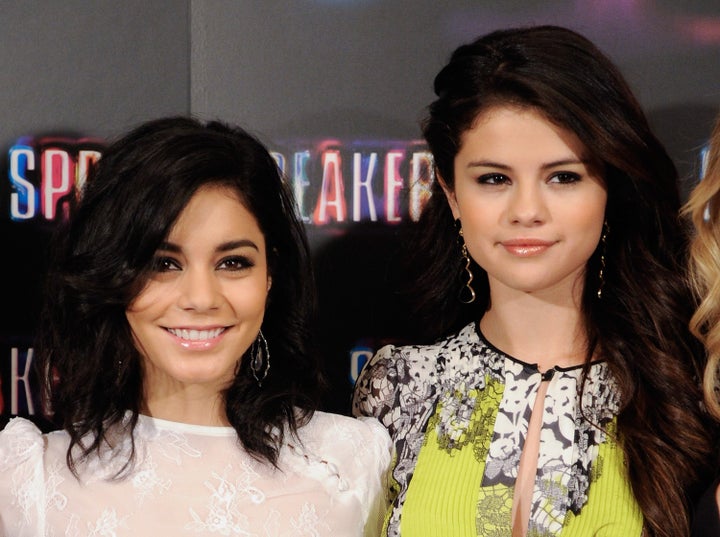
x=527, y=205
x=199, y=290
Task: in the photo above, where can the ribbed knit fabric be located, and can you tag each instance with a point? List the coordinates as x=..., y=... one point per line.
x=444, y=496
x=611, y=509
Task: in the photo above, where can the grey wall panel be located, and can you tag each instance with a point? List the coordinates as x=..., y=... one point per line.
x=91, y=67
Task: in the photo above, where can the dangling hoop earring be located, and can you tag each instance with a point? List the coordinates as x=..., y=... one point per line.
x=467, y=293
x=603, y=250
x=260, y=358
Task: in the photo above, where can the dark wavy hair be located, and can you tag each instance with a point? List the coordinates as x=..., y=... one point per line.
x=103, y=257
x=640, y=326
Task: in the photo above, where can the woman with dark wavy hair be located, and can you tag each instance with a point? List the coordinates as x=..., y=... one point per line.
x=704, y=208
x=176, y=355
x=556, y=391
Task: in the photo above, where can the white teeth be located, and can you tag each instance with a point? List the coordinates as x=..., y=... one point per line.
x=195, y=335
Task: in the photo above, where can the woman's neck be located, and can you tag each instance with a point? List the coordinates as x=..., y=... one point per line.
x=193, y=406
x=536, y=330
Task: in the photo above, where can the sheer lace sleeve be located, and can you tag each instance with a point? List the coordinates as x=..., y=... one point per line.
x=377, y=500
x=22, y=489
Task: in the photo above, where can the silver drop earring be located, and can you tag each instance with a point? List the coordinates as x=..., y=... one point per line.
x=260, y=358
x=603, y=248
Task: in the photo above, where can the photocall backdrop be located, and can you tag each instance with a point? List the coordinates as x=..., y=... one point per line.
x=336, y=90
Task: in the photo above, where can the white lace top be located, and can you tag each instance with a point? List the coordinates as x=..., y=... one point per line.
x=197, y=481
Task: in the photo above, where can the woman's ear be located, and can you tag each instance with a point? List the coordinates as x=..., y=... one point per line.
x=449, y=195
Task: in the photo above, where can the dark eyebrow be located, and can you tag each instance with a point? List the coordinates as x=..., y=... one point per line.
x=224, y=247
x=241, y=243
x=546, y=166
x=487, y=164
x=565, y=162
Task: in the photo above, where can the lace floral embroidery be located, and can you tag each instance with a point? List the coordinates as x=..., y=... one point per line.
x=147, y=483
x=106, y=525
x=494, y=504
x=55, y=499
x=224, y=515
x=195, y=480
x=175, y=446
x=307, y=522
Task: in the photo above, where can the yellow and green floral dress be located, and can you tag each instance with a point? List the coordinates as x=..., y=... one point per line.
x=458, y=413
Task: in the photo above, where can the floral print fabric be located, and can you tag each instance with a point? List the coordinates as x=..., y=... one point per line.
x=469, y=394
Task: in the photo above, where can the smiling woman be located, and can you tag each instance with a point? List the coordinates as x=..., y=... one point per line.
x=178, y=359
x=205, y=299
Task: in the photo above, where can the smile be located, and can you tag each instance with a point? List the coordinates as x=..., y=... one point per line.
x=195, y=335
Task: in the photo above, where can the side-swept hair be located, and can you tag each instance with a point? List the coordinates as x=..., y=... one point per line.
x=641, y=324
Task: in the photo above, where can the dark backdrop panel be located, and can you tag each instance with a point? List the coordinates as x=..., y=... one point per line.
x=354, y=74
x=336, y=88
x=71, y=70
